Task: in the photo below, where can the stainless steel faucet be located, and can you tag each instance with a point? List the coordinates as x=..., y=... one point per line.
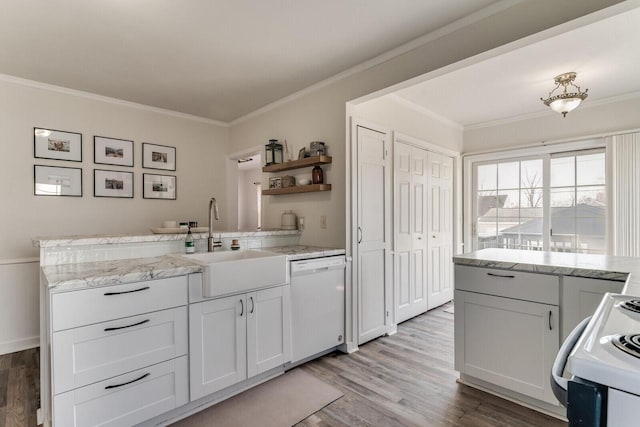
x=213, y=210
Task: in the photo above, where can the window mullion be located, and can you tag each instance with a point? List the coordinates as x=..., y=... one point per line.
x=546, y=202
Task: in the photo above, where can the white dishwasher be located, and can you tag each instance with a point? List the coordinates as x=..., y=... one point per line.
x=317, y=306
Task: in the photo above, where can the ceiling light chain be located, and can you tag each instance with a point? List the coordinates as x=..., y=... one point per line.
x=566, y=101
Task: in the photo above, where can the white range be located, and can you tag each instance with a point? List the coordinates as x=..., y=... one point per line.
x=605, y=365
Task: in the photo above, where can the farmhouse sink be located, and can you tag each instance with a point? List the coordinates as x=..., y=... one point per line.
x=229, y=272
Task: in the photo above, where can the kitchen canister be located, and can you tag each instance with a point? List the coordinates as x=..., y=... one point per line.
x=289, y=221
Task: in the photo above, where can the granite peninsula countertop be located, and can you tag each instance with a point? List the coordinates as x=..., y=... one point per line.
x=298, y=252
x=607, y=267
x=67, y=277
x=111, y=239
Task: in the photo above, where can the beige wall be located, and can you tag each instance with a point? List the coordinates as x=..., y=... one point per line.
x=396, y=115
x=584, y=121
x=200, y=168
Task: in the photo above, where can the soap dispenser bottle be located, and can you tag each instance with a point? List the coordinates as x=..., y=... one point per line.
x=189, y=243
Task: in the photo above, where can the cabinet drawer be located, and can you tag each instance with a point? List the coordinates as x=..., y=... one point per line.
x=535, y=287
x=92, y=353
x=125, y=400
x=80, y=308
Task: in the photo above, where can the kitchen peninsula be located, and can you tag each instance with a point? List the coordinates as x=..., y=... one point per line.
x=513, y=309
x=132, y=315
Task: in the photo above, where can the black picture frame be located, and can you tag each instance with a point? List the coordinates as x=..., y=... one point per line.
x=124, y=144
x=42, y=148
x=150, y=181
x=166, y=155
x=40, y=187
x=126, y=192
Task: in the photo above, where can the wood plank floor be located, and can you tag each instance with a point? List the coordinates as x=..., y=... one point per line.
x=19, y=388
x=403, y=380
x=408, y=380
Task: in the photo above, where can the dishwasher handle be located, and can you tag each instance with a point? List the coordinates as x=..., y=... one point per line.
x=558, y=383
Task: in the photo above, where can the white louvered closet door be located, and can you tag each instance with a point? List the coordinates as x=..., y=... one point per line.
x=626, y=194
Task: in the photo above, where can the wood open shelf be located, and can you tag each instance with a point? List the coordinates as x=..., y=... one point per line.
x=297, y=164
x=297, y=189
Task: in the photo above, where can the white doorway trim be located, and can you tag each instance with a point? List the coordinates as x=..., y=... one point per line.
x=232, y=183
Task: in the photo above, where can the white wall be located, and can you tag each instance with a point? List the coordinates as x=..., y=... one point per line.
x=200, y=171
x=397, y=115
x=584, y=121
x=247, y=199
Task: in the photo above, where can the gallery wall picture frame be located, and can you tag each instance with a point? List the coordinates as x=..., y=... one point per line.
x=57, y=181
x=57, y=144
x=160, y=187
x=108, y=183
x=112, y=151
x=156, y=156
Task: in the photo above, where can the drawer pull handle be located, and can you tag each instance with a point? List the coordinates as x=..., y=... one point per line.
x=252, y=305
x=504, y=276
x=128, y=382
x=126, y=292
x=550, y=326
x=115, y=328
x=241, y=308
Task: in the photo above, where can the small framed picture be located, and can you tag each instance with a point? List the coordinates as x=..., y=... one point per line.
x=57, y=145
x=57, y=181
x=158, y=157
x=112, y=151
x=112, y=184
x=302, y=153
x=158, y=186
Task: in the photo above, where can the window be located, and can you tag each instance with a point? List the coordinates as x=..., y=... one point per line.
x=578, y=202
x=515, y=208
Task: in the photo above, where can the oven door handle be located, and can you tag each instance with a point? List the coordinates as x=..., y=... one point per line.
x=558, y=383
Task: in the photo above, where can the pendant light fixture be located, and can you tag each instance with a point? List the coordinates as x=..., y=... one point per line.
x=565, y=101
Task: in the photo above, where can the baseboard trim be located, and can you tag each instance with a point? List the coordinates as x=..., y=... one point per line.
x=19, y=345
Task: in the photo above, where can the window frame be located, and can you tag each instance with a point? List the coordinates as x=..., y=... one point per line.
x=471, y=163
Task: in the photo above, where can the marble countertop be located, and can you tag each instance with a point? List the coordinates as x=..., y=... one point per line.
x=297, y=252
x=67, y=277
x=49, y=242
x=626, y=269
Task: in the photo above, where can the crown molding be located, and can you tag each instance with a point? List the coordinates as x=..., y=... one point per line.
x=470, y=19
x=549, y=112
x=95, y=97
x=425, y=111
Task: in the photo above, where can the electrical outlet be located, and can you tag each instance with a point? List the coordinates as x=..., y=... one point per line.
x=301, y=222
x=323, y=221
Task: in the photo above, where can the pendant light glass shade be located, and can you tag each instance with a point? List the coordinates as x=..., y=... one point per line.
x=565, y=101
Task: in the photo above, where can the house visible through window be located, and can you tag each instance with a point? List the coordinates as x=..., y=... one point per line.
x=516, y=209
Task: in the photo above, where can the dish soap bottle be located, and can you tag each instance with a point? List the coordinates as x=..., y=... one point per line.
x=189, y=243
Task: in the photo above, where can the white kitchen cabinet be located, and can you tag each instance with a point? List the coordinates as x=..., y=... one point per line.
x=507, y=342
x=217, y=345
x=125, y=400
x=268, y=329
x=580, y=298
x=117, y=353
x=88, y=354
x=237, y=337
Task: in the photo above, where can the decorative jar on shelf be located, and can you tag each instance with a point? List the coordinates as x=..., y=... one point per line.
x=317, y=175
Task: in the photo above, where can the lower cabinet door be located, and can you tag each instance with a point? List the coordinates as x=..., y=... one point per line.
x=507, y=342
x=268, y=329
x=217, y=344
x=127, y=399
